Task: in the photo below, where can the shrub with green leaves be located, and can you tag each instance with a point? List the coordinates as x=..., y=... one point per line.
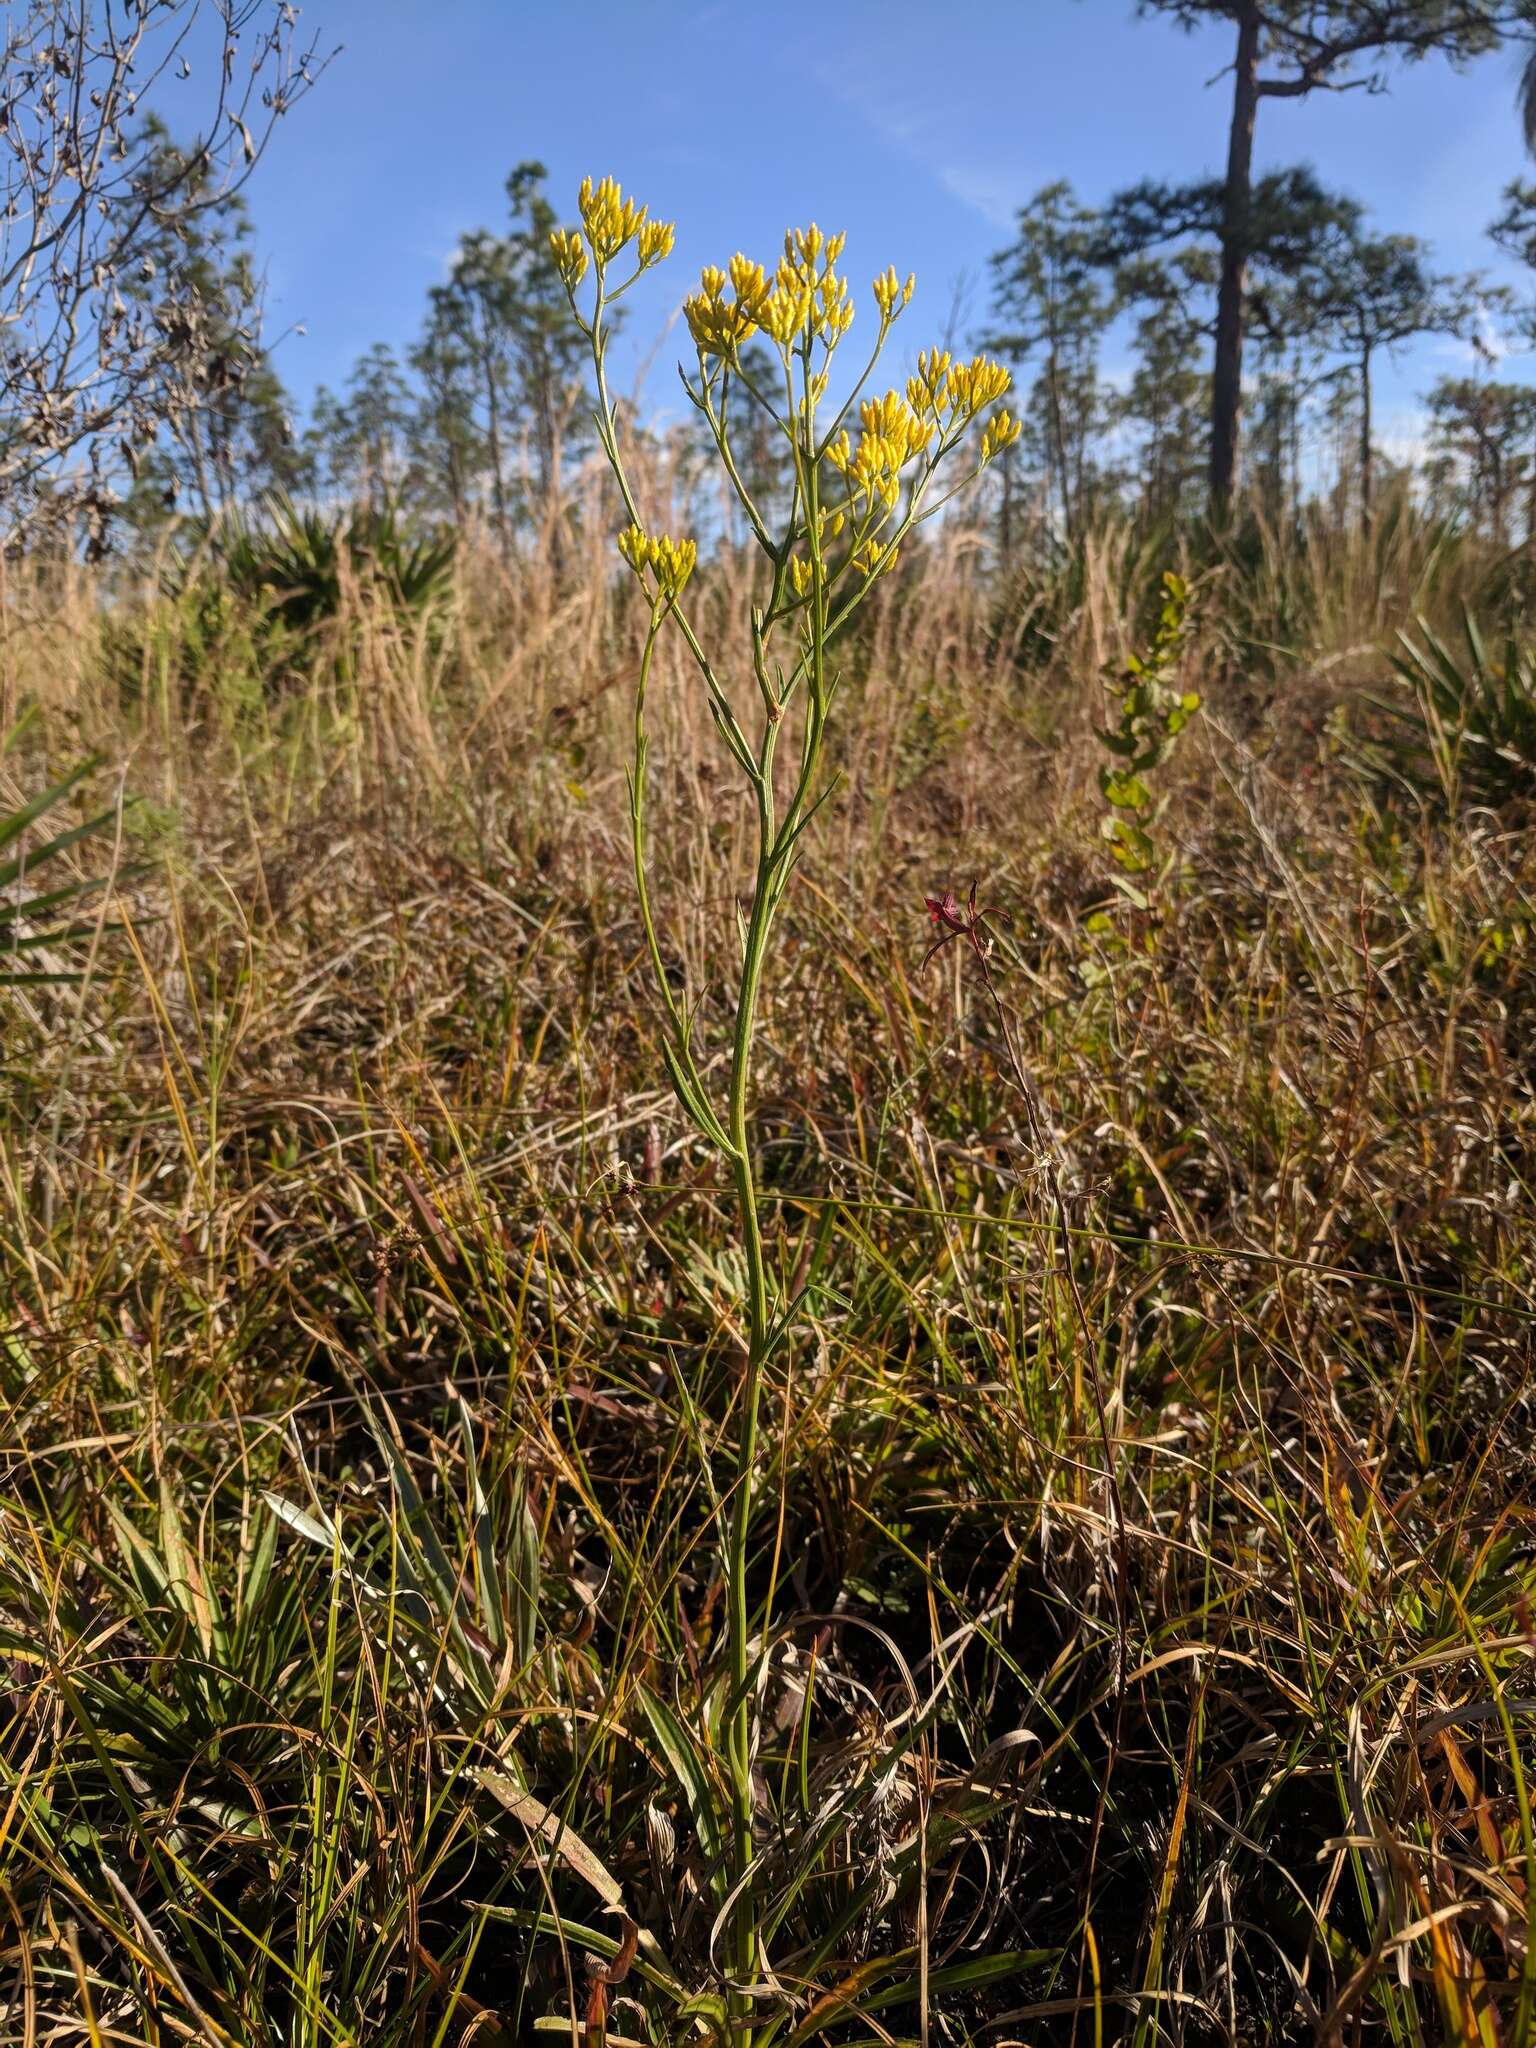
x=1153, y=712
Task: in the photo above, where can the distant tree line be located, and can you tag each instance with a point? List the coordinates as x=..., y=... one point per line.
x=485, y=416
x=1250, y=314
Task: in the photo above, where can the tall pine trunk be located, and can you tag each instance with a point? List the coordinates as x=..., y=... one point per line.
x=493, y=432
x=1236, y=234
x=1367, y=464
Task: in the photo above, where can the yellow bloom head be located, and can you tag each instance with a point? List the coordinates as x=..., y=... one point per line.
x=925, y=390
x=873, y=557
x=570, y=254
x=656, y=239
x=972, y=386
x=1001, y=431
x=809, y=297
x=891, y=295
x=669, y=562
x=609, y=218
x=894, y=420
x=719, y=324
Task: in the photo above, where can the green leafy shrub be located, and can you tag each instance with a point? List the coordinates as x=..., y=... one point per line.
x=1153, y=712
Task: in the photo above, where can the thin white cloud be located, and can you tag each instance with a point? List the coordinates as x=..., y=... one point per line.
x=918, y=130
x=991, y=193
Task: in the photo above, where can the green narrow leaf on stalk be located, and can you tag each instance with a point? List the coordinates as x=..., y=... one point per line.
x=25, y=863
x=144, y=1565
x=262, y=1556
x=482, y=1531
x=184, y=1574
x=14, y=823
x=692, y=1777
x=524, y=1567
x=430, y=1558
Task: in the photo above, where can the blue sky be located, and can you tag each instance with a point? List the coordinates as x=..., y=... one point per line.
x=918, y=126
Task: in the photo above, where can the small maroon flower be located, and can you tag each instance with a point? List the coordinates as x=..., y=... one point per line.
x=953, y=922
x=947, y=914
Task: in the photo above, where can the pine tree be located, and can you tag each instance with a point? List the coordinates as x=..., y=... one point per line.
x=357, y=443
x=1287, y=217
x=1051, y=307
x=1483, y=431
x=450, y=450
x=229, y=436
x=1288, y=49
x=1364, y=297
x=501, y=329
x=1168, y=397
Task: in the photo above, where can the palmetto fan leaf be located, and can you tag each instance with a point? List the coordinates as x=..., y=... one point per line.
x=1467, y=733
x=34, y=922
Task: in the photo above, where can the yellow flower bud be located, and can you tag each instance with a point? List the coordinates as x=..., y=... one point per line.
x=893, y=420
x=656, y=239
x=972, y=386
x=803, y=245
x=873, y=557
x=926, y=391
x=719, y=325
x=748, y=283
x=1002, y=430
x=785, y=313
x=671, y=562
x=609, y=218
x=570, y=254
x=891, y=295
x=634, y=547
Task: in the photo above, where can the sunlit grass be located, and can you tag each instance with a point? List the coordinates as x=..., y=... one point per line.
x=1151, y=1566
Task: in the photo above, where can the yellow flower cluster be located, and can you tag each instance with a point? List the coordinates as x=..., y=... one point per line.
x=610, y=222
x=1001, y=431
x=656, y=239
x=719, y=325
x=670, y=561
x=805, y=296
x=891, y=296
x=892, y=435
x=570, y=254
x=893, y=419
x=946, y=390
x=609, y=218
x=812, y=297
x=874, y=555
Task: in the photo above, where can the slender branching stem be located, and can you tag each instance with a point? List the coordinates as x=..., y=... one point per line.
x=866, y=500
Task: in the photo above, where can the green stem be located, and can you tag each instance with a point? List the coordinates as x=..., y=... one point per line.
x=778, y=848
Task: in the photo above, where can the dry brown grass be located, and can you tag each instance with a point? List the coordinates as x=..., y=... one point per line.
x=1151, y=1638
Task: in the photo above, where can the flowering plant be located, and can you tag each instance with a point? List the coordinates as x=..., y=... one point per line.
x=865, y=471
